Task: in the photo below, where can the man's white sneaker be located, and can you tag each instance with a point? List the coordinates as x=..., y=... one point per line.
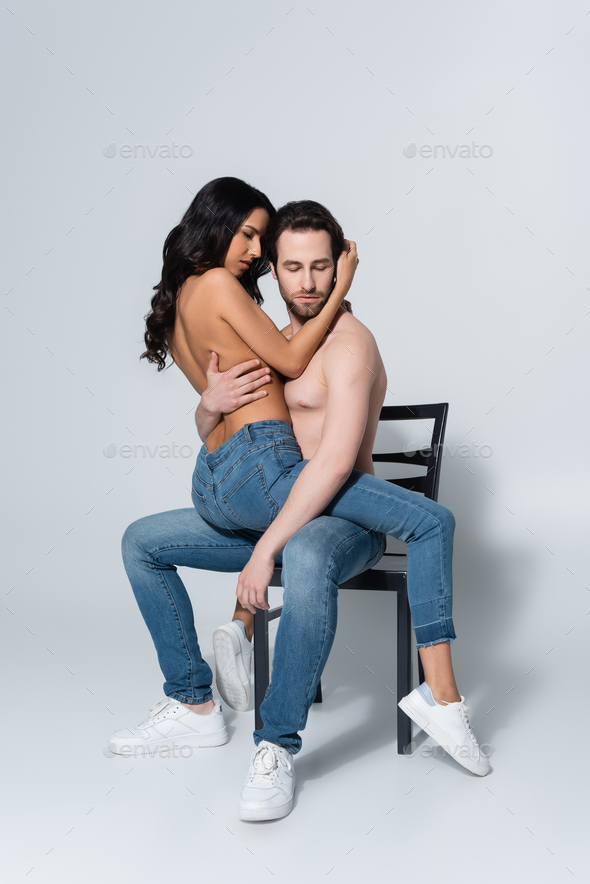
x=170, y=725
x=448, y=725
x=233, y=665
x=268, y=791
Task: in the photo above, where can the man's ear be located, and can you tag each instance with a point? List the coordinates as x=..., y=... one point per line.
x=273, y=271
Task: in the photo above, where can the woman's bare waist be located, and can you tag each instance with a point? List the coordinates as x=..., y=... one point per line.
x=261, y=410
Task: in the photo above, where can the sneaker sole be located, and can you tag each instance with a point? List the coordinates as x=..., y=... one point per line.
x=440, y=736
x=199, y=741
x=266, y=813
x=233, y=683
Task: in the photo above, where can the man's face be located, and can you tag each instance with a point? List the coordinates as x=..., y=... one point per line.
x=304, y=270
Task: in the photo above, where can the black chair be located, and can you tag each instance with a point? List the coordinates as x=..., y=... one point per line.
x=381, y=580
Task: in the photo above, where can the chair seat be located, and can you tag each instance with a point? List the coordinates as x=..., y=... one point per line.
x=385, y=580
x=375, y=578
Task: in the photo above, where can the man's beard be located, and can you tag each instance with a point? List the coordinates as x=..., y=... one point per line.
x=304, y=311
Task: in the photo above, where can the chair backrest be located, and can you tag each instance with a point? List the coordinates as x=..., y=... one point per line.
x=429, y=457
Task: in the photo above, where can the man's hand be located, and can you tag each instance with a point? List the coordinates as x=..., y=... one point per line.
x=226, y=391
x=254, y=580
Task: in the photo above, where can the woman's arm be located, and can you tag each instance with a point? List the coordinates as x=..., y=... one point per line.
x=259, y=332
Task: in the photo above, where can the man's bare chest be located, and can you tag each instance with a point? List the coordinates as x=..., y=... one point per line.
x=307, y=393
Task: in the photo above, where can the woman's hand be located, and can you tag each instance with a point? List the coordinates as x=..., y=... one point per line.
x=254, y=580
x=226, y=391
x=347, y=264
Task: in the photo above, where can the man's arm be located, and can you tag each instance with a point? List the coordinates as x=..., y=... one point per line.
x=348, y=370
x=226, y=391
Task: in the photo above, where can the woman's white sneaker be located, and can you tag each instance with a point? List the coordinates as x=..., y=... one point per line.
x=448, y=725
x=268, y=791
x=233, y=665
x=170, y=725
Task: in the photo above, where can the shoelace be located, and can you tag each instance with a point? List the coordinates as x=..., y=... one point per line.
x=157, y=708
x=463, y=709
x=265, y=763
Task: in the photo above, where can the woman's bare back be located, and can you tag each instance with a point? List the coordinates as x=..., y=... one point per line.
x=200, y=329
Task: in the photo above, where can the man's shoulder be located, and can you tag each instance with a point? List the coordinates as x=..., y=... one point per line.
x=351, y=325
x=349, y=330
x=351, y=346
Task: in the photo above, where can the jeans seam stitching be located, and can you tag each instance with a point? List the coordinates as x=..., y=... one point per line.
x=178, y=619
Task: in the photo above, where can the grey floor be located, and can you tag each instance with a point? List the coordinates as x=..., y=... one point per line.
x=71, y=814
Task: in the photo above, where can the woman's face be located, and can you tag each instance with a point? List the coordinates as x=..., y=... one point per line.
x=245, y=245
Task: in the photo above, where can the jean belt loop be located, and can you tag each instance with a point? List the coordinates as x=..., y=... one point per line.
x=246, y=429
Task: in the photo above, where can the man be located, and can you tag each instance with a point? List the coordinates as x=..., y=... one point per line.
x=335, y=407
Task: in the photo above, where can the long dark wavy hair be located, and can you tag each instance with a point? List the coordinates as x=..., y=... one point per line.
x=200, y=242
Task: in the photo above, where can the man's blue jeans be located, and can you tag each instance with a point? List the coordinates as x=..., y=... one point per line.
x=243, y=484
x=324, y=553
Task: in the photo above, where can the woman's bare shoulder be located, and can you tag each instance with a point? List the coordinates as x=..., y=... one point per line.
x=216, y=290
x=218, y=282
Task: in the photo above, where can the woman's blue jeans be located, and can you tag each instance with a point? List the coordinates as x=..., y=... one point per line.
x=320, y=556
x=243, y=484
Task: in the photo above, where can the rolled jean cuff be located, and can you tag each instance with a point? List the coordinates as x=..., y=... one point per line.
x=437, y=641
x=192, y=701
x=433, y=622
x=258, y=740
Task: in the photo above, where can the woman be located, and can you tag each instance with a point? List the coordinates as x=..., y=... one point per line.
x=208, y=299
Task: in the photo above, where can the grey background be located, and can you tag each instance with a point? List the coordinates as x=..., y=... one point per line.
x=474, y=278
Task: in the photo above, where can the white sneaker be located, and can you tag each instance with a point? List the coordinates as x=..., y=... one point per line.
x=170, y=725
x=233, y=665
x=448, y=725
x=268, y=791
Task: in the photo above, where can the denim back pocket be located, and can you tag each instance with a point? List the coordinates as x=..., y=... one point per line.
x=199, y=500
x=248, y=503
x=197, y=492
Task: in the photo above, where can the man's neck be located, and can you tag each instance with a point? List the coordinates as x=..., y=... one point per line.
x=297, y=322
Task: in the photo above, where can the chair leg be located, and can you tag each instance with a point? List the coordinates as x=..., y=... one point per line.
x=420, y=669
x=318, y=693
x=404, y=668
x=261, y=662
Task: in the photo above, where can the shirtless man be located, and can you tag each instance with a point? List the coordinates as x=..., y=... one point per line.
x=334, y=407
